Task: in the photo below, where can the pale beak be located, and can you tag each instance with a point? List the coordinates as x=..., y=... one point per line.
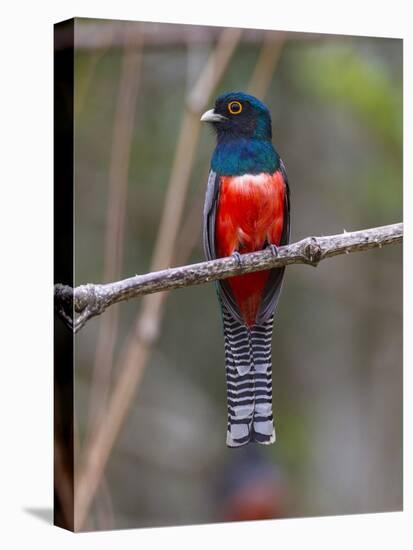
x=212, y=116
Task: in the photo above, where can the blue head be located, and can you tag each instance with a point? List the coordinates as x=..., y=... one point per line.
x=243, y=126
x=239, y=115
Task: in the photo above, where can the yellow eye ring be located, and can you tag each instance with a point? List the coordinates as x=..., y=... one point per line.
x=235, y=107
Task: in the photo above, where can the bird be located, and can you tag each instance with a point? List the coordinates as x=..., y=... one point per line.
x=246, y=209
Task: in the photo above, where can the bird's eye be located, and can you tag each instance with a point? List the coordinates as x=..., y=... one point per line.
x=234, y=107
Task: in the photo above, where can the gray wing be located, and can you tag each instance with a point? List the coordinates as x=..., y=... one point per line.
x=275, y=280
x=210, y=210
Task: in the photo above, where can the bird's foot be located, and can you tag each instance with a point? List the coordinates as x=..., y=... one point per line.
x=274, y=249
x=237, y=256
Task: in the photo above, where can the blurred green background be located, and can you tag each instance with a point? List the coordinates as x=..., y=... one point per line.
x=336, y=104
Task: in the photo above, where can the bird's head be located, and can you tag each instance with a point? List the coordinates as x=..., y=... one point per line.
x=237, y=114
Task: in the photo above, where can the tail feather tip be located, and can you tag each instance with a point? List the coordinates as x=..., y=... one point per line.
x=252, y=437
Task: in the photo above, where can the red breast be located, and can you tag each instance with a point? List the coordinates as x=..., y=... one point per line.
x=250, y=214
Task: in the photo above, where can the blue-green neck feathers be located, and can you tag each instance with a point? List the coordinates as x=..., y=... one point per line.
x=238, y=156
x=243, y=139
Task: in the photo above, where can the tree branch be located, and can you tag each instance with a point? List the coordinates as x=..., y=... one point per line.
x=90, y=300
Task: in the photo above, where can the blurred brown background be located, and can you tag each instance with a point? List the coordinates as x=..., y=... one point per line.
x=150, y=398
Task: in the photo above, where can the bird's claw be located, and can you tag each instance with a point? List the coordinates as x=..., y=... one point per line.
x=274, y=250
x=237, y=256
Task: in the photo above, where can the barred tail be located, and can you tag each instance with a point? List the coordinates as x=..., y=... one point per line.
x=249, y=386
x=263, y=425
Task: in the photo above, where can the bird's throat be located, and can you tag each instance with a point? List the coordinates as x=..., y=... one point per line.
x=237, y=156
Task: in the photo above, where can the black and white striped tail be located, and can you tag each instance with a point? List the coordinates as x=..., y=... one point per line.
x=249, y=385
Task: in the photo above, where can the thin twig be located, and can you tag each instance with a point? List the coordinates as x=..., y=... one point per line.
x=96, y=298
x=266, y=64
x=116, y=210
